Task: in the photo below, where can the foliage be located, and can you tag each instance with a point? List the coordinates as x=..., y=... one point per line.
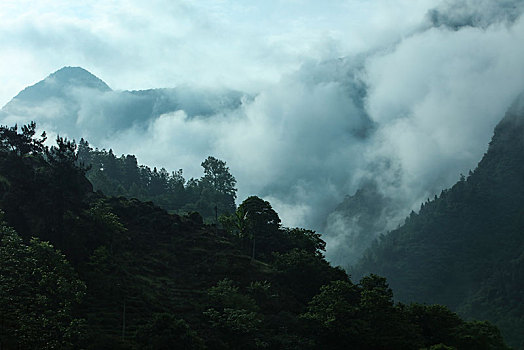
x=39, y=292
x=364, y=316
x=22, y=143
x=234, y=313
x=157, y=279
x=258, y=226
x=164, y=332
x=464, y=248
x=218, y=186
x=304, y=272
x=122, y=176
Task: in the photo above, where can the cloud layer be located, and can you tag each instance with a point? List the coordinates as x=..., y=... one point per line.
x=403, y=94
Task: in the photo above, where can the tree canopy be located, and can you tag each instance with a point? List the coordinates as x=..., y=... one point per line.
x=133, y=275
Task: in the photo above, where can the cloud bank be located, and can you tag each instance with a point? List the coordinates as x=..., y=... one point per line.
x=403, y=95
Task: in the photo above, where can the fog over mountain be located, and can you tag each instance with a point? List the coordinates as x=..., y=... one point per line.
x=401, y=100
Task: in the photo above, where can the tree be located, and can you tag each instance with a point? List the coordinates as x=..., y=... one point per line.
x=436, y=322
x=63, y=155
x=218, y=187
x=21, y=143
x=84, y=153
x=164, y=331
x=307, y=240
x=334, y=315
x=261, y=225
x=39, y=291
x=305, y=272
x=218, y=177
x=233, y=314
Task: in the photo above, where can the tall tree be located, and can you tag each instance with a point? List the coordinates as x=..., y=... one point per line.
x=218, y=187
x=261, y=225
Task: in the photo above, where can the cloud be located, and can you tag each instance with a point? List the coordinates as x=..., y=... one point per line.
x=474, y=13
x=136, y=45
x=333, y=96
x=295, y=143
x=435, y=99
x=438, y=107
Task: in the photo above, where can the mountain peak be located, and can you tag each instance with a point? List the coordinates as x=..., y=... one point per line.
x=77, y=76
x=57, y=84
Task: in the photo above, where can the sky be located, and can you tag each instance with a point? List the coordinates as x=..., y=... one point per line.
x=241, y=44
x=404, y=93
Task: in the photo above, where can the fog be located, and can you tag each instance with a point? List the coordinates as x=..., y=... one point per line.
x=305, y=102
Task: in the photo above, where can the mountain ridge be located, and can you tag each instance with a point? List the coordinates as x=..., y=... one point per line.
x=73, y=102
x=464, y=248
x=59, y=81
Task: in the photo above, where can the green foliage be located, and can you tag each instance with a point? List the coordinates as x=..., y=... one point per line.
x=307, y=240
x=436, y=323
x=233, y=313
x=363, y=316
x=236, y=224
x=260, y=224
x=39, y=292
x=226, y=295
x=233, y=320
x=218, y=186
x=22, y=143
x=152, y=276
x=124, y=177
x=335, y=306
x=479, y=335
x=304, y=272
x=440, y=347
x=464, y=248
x=164, y=332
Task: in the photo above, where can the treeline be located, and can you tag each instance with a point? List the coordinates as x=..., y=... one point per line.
x=464, y=248
x=212, y=195
x=129, y=275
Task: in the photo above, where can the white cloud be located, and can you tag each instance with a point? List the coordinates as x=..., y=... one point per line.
x=136, y=44
x=411, y=105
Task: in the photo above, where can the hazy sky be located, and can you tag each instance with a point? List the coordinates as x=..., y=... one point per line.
x=135, y=44
x=403, y=92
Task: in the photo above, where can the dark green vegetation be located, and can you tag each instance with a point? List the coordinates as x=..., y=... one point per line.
x=133, y=276
x=124, y=177
x=465, y=249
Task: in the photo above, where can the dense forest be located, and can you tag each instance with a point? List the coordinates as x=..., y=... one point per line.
x=212, y=195
x=81, y=270
x=464, y=248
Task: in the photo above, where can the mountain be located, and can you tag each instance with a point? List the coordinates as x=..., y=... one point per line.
x=79, y=270
x=356, y=222
x=465, y=248
x=58, y=84
x=75, y=103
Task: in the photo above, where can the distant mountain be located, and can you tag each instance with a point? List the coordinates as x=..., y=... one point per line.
x=356, y=222
x=58, y=84
x=75, y=103
x=465, y=249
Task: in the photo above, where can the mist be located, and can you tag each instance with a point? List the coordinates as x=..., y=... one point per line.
x=404, y=96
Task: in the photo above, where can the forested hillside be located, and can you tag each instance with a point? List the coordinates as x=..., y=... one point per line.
x=119, y=273
x=465, y=248
x=212, y=195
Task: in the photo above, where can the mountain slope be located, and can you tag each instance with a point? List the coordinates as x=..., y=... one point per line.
x=465, y=249
x=75, y=103
x=58, y=83
x=161, y=281
x=356, y=222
